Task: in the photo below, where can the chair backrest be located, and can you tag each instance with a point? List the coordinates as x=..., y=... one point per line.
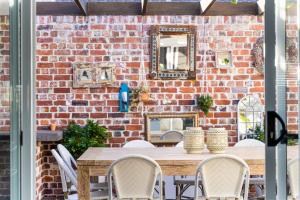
x=65, y=172
x=223, y=176
x=172, y=135
x=134, y=177
x=138, y=144
x=293, y=177
x=67, y=157
x=249, y=143
x=180, y=144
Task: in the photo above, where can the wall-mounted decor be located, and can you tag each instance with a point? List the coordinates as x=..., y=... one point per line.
x=172, y=125
x=250, y=117
x=124, y=98
x=223, y=59
x=173, y=52
x=258, y=54
x=87, y=75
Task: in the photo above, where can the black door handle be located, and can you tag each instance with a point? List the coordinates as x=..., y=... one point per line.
x=271, y=129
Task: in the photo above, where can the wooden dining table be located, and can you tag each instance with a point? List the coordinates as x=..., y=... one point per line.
x=174, y=161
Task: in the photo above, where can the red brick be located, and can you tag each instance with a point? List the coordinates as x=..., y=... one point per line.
x=187, y=90
x=62, y=65
x=62, y=90
x=44, y=65
x=98, y=115
x=134, y=127
x=117, y=140
x=62, y=115
x=44, y=77
x=168, y=90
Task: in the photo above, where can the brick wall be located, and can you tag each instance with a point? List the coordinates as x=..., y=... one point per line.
x=4, y=109
x=63, y=40
x=48, y=183
x=4, y=74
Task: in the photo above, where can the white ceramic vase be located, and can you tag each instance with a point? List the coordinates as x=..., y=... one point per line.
x=217, y=140
x=193, y=140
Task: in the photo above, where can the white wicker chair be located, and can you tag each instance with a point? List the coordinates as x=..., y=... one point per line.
x=184, y=184
x=223, y=176
x=141, y=144
x=67, y=178
x=71, y=163
x=172, y=135
x=249, y=143
x=257, y=181
x=138, y=144
x=134, y=177
x=293, y=177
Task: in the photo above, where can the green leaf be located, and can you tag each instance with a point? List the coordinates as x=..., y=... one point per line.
x=78, y=139
x=204, y=103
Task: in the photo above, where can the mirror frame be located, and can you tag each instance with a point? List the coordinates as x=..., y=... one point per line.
x=156, y=32
x=149, y=116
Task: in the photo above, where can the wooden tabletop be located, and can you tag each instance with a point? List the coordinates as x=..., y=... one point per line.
x=172, y=160
x=175, y=160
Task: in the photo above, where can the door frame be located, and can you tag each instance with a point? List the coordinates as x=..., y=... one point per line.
x=28, y=118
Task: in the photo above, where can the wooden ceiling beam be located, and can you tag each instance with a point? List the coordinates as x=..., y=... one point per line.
x=144, y=6
x=229, y=9
x=173, y=8
x=114, y=8
x=82, y=5
x=57, y=8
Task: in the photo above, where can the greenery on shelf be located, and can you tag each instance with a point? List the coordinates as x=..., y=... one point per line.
x=78, y=139
x=204, y=103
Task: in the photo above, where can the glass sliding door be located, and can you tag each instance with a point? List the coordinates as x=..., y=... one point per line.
x=9, y=101
x=282, y=98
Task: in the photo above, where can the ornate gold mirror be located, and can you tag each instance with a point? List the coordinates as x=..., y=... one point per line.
x=173, y=52
x=168, y=128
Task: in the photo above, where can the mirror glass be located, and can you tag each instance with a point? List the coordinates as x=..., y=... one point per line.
x=173, y=52
x=169, y=128
x=250, y=117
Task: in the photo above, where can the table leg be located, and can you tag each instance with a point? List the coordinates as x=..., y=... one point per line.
x=83, y=182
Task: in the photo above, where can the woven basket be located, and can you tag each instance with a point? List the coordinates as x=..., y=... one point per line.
x=217, y=140
x=193, y=140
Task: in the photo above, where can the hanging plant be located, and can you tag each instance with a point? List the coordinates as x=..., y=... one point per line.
x=204, y=103
x=144, y=94
x=234, y=1
x=139, y=94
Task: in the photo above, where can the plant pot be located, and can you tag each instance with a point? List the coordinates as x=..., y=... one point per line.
x=53, y=127
x=217, y=140
x=193, y=141
x=144, y=97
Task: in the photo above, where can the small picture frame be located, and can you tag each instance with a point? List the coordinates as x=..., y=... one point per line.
x=87, y=75
x=223, y=59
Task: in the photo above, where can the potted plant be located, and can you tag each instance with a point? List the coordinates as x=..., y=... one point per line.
x=78, y=139
x=139, y=94
x=144, y=94
x=204, y=103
